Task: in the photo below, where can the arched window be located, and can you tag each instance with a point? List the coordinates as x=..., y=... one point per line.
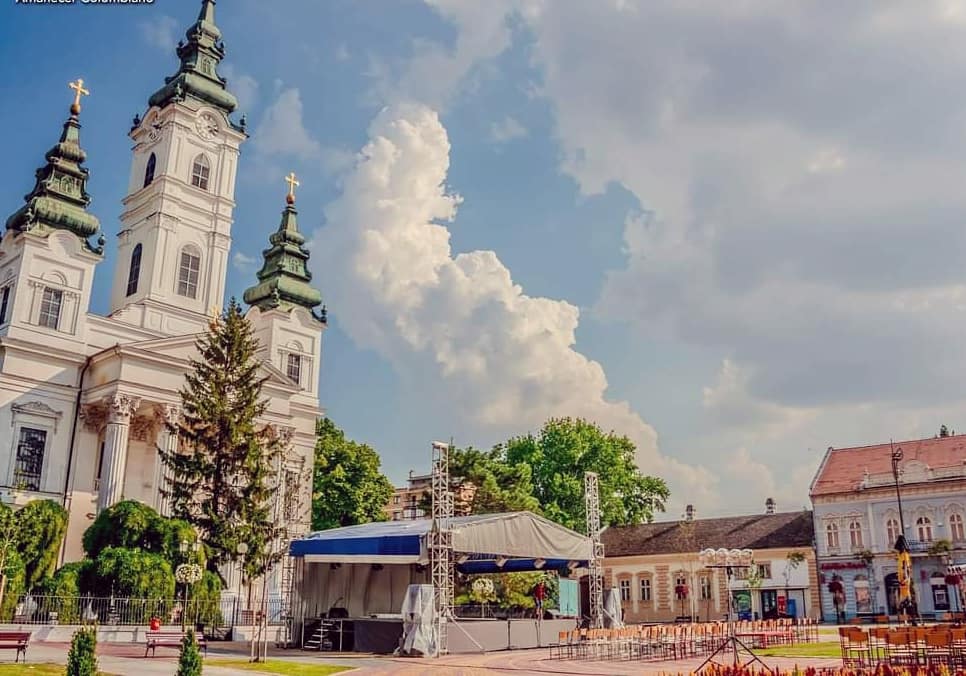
x=189, y=267
x=924, y=527
x=200, y=171
x=832, y=536
x=956, y=528
x=892, y=530
x=855, y=535
x=134, y=272
x=149, y=170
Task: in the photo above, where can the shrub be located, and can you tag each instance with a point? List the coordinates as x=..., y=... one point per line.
x=133, y=573
x=81, y=660
x=41, y=526
x=15, y=585
x=189, y=664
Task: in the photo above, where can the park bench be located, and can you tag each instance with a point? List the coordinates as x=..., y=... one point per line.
x=15, y=640
x=170, y=639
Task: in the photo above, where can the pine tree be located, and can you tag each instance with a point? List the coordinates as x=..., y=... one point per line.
x=81, y=660
x=226, y=469
x=189, y=664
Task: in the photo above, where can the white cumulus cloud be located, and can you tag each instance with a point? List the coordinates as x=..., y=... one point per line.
x=506, y=130
x=160, y=32
x=281, y=131
x=457, y=322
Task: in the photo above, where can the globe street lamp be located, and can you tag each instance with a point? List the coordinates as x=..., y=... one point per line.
x=241, y=549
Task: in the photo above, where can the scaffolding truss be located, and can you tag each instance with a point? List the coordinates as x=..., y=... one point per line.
x=441, y=544
x=592, y=508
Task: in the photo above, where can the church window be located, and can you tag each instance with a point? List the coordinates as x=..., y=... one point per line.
x=135, y=271
x=200, y=171
x=293, y=367
x=149, y=170
x=955, y=520
x=30, y=459
x=4, y=303
x=50, y=308
x=188, y=274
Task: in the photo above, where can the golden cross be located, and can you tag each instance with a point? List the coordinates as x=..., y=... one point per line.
x=292, y=185
x=79, y=91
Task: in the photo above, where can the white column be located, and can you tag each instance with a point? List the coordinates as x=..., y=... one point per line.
x=115, y=449
x=163, y=475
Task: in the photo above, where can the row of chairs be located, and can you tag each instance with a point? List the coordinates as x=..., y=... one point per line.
x=903, y=646
x=674, y=641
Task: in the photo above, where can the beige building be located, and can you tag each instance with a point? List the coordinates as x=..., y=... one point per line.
x=411, y=501
x=655, y=567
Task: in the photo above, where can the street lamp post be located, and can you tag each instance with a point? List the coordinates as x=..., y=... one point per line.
x=896, y=459
x=241, y=548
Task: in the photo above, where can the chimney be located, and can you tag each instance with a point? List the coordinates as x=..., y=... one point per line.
x=770, y=506
x=689, y=513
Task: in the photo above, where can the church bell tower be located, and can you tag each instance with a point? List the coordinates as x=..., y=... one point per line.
x=176, y=224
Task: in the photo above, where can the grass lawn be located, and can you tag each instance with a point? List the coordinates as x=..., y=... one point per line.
x=821, y=649
x=46, y=669
x=276, y=667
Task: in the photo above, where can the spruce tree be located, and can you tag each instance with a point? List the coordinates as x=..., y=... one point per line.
x=225, y=471
x=189, y=664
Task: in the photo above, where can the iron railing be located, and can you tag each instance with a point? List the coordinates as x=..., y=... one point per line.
x=121, y=611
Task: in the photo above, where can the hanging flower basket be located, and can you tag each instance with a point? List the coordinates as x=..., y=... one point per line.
x=952, y=578
x=835, y=587
x=681, y=591
x=188, y=573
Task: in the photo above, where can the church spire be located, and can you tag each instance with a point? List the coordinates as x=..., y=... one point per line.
x=59, y=199
x=197, y=76
x=283, y=281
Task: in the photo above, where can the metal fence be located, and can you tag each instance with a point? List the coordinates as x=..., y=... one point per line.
x=118, y=611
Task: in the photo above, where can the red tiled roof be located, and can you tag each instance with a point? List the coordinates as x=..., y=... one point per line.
x=843, y=469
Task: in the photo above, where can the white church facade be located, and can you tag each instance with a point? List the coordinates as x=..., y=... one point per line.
x=83, y=397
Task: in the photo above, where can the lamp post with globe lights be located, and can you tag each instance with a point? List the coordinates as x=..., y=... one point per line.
x=241, y=549
x=729, y=560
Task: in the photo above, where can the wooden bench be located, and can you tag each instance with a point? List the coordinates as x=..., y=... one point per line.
x=170, y=639
x=15, y=640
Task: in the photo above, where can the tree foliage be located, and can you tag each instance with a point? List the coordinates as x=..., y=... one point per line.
x=41, y=526
x=499, y=485
x=348, y=487
x=559, y=455
x=189, y=662
x=133, y=525
x=135, y=573
x=226, y=470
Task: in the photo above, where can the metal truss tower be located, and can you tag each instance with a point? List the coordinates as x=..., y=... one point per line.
x=592, y=507
x=441, y=544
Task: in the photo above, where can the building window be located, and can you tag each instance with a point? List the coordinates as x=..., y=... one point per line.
x=764, y=571
x=50, y=308
x=892, y=530
x=134, y=272
x=940, y=592
x=956, y=531
x=188, y=274
x=149, y=170
x=395, y=499
x=30, y=459
x=855, y=535
x=645, y=589
x=625, y=587
x=832, y=536
x=200, y=171
x=705, y=590
x=293, y=368
x=4, y=303
x=924, y=528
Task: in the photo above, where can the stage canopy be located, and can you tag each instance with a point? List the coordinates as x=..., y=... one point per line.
x=485, y=543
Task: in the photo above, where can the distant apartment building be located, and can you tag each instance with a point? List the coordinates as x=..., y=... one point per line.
x=857, y=522
x=412, y=500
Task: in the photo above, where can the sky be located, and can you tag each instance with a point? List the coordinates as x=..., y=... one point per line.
x=732, y=231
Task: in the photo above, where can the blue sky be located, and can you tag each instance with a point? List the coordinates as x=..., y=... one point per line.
x=755, y=210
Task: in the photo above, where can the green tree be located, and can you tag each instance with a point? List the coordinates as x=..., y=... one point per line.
x=189, y=663
x=347, y=487
x=226, y=469
x=41, y=526
x=82, y=660
x=499, y=486
x=134, y=573
x=9, y=540
x=133, y=525
x=559, y=455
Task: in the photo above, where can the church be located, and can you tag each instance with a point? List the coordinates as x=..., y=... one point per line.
x=84, y=397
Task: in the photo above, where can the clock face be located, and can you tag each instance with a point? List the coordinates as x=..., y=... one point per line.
x=207, y=126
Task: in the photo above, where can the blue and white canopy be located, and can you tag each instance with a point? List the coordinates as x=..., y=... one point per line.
x=483, y=543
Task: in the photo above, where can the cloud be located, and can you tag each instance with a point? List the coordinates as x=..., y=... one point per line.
x=160, y=32
x=243, y=86
x=455, y=325
x=506, y=130
x=281, y=130
x=243, y=262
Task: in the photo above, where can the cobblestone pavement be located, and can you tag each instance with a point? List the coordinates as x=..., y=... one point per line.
x=128, y=659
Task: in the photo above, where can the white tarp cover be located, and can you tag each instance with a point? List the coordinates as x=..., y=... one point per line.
x=613, y=616
x=419, y=629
